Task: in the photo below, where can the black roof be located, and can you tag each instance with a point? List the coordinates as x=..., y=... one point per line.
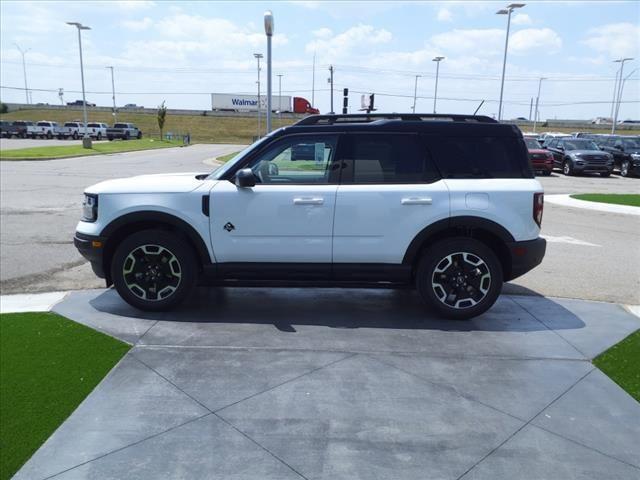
x=438, y=124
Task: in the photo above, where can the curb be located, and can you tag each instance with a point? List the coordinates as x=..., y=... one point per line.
x=30, y=302
x=567, y=201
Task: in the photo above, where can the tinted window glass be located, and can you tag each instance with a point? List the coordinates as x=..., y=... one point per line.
x=480, y=157
x=532, y=143
x=120, y=125
x=579, y=144
x=388, y=158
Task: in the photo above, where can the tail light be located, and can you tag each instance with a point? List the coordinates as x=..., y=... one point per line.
x=538, y=206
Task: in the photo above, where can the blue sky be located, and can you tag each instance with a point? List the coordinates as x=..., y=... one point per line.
x=181, y=51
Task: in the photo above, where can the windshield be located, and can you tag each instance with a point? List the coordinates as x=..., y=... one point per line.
x=631, y=143
x=222, y=169
x=532, y=143
x=70, y=124
x=580, y=145
x=120, y=125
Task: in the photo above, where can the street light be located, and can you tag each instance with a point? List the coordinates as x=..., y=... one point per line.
x=617, y=109
x=24, y=70
x=258, y=56
x=535, y=115
x=113, y=95
x=435, y=96
x=506, y=11
x=415, y=93
x=268, y=30
x=86, y=139
x=280, y=98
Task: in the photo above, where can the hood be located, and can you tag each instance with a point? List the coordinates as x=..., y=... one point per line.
x=160, y=183
x=539, y=150
x=587, y=152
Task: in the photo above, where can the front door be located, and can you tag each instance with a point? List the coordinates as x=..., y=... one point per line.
x=287, y=217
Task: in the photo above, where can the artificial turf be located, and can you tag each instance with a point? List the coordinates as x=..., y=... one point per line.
x=622, y=364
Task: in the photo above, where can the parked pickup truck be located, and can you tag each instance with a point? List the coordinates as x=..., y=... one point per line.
x=23, y=129
x=46, y=129
x=73, y=130
x=125, y=131
x=97, y=130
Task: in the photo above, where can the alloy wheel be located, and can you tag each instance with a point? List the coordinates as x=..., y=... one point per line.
x=461, y=280
x=152, y=272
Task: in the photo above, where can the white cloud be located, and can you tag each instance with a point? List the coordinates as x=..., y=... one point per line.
x=530, y=39
x=615, y=39
x=323, y=32
x=137, y=25
x=444, y=15
x=482, y=41
x=522, y=19
x=132, y=5
x=360, y=36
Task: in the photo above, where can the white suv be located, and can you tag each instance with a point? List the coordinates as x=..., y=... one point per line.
x=445, y=203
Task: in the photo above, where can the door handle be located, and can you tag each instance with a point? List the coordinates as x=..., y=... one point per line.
x=308, y=201
x=416, y=201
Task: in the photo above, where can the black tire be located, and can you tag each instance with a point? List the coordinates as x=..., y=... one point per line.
x=567, y=168
x=624, y=168
x=156, y=261
x=605, y=174
x=139, y=136
x=110, y=138
x=75, y=135
x=99, y=136
x=126, y=136
x=458, y=279
x=547, y=173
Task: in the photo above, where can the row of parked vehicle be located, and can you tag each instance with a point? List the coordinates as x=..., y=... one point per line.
x=75, y=130
x=582, y=152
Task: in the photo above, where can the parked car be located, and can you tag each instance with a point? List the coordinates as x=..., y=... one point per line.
x=132, y=105
x=545, y=137
x=541, y=159
x=46, y=129
x=447, y=204
x=24, y=129
x=577, y=155
x=626, y=153
x=97, y=130
x=79, y=103
x=8, y=129
x=73, y=130
x=125, y=131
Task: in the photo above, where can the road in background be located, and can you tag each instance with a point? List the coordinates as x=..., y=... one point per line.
x=16, y=143
x=590, y=255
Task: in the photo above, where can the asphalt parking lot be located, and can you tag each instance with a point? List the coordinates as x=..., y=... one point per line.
x=40, y=206
x=293, y=383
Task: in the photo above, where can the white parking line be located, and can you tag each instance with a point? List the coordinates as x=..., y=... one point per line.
x=569, y=240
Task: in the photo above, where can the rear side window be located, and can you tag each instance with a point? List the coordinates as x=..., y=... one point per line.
x=120, y=125
x=387, y=159
x=480, y=157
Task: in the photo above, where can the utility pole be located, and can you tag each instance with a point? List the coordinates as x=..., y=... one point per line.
x=24, y=71
x=435, y=95
x=268, y=30
x=617, y=109
x=113, y=95
x=313, y=81
x=258, y=56
x=530, y=108
x=415, y=93
x=280, y=98
x=615, y=94
x=506, y=11
x=620, y=97
x=535, y=116
x=86, y=139
x=331, y=82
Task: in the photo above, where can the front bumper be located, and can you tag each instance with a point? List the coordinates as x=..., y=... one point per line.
x=586, y=168
x=525, y=256
x=91, y=247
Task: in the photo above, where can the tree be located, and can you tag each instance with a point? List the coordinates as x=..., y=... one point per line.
x=162, y=116
x=4, y=108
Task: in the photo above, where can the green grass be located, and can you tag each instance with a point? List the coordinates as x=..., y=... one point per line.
x=615, y=198
x=622, y=364
x=226, y=158
x=49, y=364
x=66, y=151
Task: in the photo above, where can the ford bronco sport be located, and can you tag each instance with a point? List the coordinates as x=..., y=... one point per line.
x=447, y=204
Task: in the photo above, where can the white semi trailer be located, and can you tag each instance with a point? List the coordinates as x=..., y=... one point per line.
x=249, y=103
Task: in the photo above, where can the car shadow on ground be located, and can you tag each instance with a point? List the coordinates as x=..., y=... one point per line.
x=343, y=308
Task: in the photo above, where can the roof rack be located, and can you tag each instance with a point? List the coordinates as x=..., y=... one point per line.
x=406, y=117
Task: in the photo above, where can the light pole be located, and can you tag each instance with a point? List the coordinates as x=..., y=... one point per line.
x=435, y=95
x=24, y=70
x=268, y=30
x=415, y=93
x=506, y=11
x=113, y=95
x=615, y=95
x=280, y=98
x=535, y=115
x=617, y=109
x=258, y=56
x=331, y=82
x=86, y=139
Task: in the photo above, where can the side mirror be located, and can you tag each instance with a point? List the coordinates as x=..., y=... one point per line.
x=245, y=178
x=560, y=147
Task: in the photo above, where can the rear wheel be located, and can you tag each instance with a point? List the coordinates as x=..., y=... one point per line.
x=75, y=135
x=624, y=168
x=139, y=136
x=459, y=277
x=154, y=270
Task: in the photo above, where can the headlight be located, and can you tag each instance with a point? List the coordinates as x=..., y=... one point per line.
x=635, y=156
x=90, y=208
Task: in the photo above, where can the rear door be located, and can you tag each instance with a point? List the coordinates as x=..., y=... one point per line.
x=389, y=192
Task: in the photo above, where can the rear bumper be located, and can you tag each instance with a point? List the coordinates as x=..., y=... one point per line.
x=91, y=247
x=525, y=256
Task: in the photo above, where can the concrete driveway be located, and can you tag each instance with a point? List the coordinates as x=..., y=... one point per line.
x=329, y=384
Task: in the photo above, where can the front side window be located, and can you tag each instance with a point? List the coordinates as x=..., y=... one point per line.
x=387, y=159
x=300, y=159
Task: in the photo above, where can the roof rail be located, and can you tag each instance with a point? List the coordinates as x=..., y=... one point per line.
x=407, y=117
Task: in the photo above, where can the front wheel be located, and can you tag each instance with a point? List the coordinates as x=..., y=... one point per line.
x=154, y=270
x=624, y=168
x=567, y=168
x=139, y=135
x=75, y=135
x=99, y=136
x=459, y=277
